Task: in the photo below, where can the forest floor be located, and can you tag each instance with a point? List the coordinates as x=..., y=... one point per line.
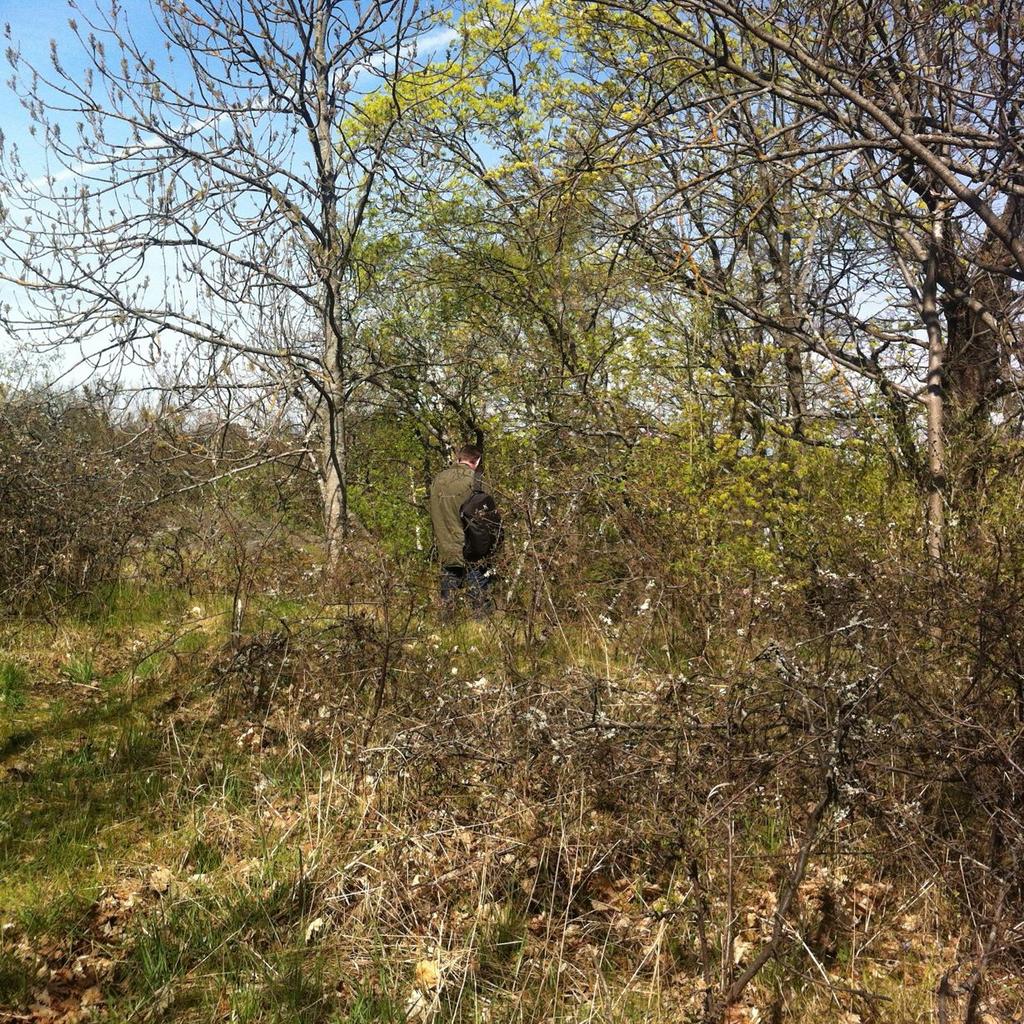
x=194, y=830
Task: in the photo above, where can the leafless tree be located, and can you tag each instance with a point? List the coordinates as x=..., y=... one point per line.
x=207, y=202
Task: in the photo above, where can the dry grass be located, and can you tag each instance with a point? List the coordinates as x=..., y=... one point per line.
x=338, y=823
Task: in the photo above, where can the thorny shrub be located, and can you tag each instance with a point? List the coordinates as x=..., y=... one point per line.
x=776, y=759
x=76, y=495
x=788, y=795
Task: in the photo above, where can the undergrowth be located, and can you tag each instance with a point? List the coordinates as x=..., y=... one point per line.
x=335, y=820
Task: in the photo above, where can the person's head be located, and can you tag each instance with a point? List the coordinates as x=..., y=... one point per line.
x=469, y=455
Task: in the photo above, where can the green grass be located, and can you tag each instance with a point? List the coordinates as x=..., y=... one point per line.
x=127, y=605
x=52, y=819
x=290, y=775
x=203, y=855
x=192, y=642
x=16, y=978
x=500, y=944
x=764, y=833
x=102, y=792
x=13, y=685
x=267, y=612
x=369, y=1007
x=250, y=935
x=86, y=785
x=81, y=670
x=150, y=665
x=58, y=907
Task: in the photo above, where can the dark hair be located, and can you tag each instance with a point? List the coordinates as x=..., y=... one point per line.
x=469, y=453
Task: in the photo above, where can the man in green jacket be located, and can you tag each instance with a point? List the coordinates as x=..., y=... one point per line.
x=450, y=488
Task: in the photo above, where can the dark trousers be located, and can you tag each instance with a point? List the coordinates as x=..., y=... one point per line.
x=475, y=580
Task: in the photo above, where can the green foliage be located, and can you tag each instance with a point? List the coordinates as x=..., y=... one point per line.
x=389, y=489
x=615, y=261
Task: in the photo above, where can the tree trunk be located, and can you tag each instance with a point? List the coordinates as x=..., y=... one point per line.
x=335, y=461
x=934, y=398
x=789, y=337
x=745, y=405
x=977, y=302
x=334, y=473
x=334, y=492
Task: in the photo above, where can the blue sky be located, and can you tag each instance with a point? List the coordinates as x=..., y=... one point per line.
x=33, y=24
x=32, y=27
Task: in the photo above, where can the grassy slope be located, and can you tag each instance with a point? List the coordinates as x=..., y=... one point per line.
x=183, y=836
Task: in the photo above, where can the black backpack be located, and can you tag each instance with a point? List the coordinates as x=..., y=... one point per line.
x=481, y=524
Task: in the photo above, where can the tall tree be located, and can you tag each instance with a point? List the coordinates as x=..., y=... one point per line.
x=904, y=118
x=210, y=199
